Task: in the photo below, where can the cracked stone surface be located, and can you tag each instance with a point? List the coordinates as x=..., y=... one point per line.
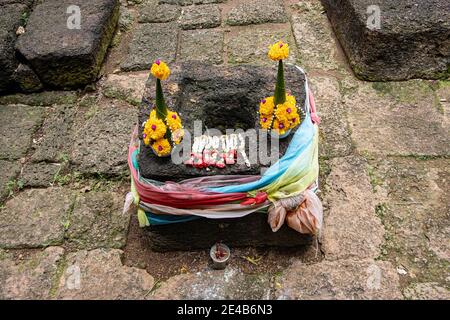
x=426, y=291
x=17, y=126
x=34, y=218
x=343, y=279
x=256, y=12
x=97, y=221
x=31, y=277
x=202, y=45
x=351, y=228
x=8, y=173
x=128, y=86
x=152, y=12
x=230, y=283
x=102, y=276
x=200, y=17
x=101, y=141
x=150, y=42
x=40, y=174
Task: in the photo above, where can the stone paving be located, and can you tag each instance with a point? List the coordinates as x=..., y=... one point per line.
x=384, y=156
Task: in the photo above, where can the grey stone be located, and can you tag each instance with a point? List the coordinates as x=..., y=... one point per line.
x=342, y=279
x=17, y=125
x=413, y=198
x=45, y=98
x=334, y=133
x=397, y=118
x=202, y=45
x=189, y=2
x=101, y=142
x=351, y=227
x=251, y=45
x=76, y=58
x=27, y=80
x=102, y=276
x=25, y=2
x=34, y=218
x=40, y=174
x=317, y=48
x=32, y=278
x=151, y=42
x=158, y=13
x=10, y=20
x=97, y=221
x=412, y=41
x=257, y=12
x=426, y=291
x=198, y=17
x=126, y=19
x=128, y=86
x=8, y=173
x=231, y=283
x=223, y=97
x=56, y=136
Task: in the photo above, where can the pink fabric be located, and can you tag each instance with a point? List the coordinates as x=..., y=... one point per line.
x=314, y=117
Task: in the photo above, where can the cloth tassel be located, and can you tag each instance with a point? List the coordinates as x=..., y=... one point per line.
x=142, y=218
x=129, y=199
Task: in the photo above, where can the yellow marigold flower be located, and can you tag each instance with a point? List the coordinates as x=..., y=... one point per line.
x=295, y=121
x=177, y=135
x=173, y=120
x=153, y=113
x=266, y=106
x=279, y=51
x=160, y=70
x=162, y=147
x=290, y=99
x=286, y=111
x=281, y=126
x=154, y=129
x=146, y=139
x=265, y=121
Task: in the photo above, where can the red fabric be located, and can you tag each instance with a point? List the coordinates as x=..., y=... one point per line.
x=260, y=197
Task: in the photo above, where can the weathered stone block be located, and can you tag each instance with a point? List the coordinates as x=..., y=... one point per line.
x=256, y=12
x=27, y=79
x=66, y=57
x=198, y=17
x=40, y=174
x=412, y=41
x=8, y=172
x=152, y=12
x=202, y=45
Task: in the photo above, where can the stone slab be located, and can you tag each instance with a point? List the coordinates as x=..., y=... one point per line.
x=102, y=276
x=34, y=218
x=76, y=58
x=151, y=41
x=8, y=173
x=40, y=174
x=200, y=17
x=202, y=45
x=256, y=12
x=412, y=41
x=340, y=280
x=17, y=126
x=152, y=12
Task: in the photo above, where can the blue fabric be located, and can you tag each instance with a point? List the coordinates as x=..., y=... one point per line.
x=301, y=139
x=157, y=220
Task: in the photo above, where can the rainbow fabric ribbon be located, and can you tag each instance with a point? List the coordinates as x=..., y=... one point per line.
x=293, y=176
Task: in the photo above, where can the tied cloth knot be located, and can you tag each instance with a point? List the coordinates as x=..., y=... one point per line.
x=260, y=197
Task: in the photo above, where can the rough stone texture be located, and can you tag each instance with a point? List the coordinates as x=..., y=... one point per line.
x=150, y=42
x=222, y=97
x=414, y=206
x=399, y=118
x=252, y=230
x=413, y=41
x=128, y=87
x=427, y=291
x=8, y=172
x=314, y=37
x=45, y=98
x=76, y=58
x=102, y=276
x=30, y=279
x=341, y=279
x=250, y=45
x=198, y=17
x=215, y=285
x=101, y=141
x=126, y=19
x=202, y=45
x=334, y=133
x=34, y=218
x=10, y=20
x=97, y=221
x=40, y=174
x=55, y=139
x=256, y=12
x=17, y=125
x=351, y=228
x=189, y=2
x=152, y=12
x=27, y=80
